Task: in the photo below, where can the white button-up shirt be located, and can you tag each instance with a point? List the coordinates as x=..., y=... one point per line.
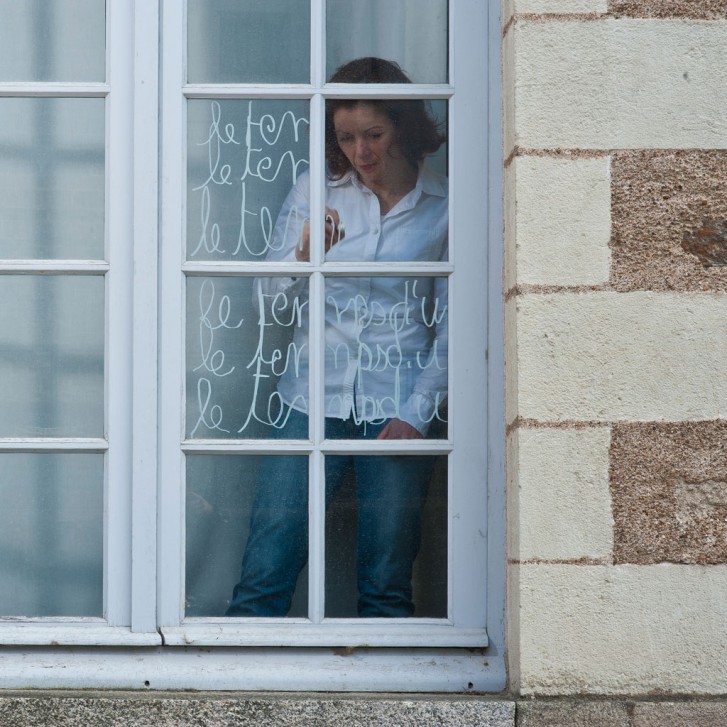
x=385, y=337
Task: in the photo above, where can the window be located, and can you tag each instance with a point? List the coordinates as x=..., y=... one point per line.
x=176, y=354
x=64, y=440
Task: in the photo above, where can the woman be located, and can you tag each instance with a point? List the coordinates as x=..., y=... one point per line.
x=385, y=352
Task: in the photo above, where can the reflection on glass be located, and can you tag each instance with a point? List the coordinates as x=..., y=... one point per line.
x=51, y=534
x=386, y=353
x=410, y=32
x=52, y=178
x=247, y=41
x=53, y=40
x=242, y=337
x=52, y=356
x=248, y=354
x=386, y=186
x=386, y=536
x=242, y=159
x=223, y=493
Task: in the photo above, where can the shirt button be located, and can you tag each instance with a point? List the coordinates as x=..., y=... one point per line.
x=375, y=230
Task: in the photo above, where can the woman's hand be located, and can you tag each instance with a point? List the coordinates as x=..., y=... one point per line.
x=398, y=429
x=334, y=232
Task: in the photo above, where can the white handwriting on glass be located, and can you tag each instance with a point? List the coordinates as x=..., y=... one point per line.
x=213, y=359
x=379, y=358
x=379, y=349
x=258, y=157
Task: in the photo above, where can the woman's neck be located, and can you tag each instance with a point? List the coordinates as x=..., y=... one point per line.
x=391, y=192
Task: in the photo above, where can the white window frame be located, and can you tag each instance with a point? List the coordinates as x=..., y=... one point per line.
x=123, y=617
x=153, y=645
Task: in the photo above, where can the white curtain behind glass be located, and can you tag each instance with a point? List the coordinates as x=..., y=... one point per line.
x=411, y=32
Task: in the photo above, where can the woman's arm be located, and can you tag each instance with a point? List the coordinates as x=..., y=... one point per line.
x=291, y=238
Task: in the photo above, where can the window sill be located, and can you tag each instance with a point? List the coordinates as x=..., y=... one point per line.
x=332, y=633
x=17, y=632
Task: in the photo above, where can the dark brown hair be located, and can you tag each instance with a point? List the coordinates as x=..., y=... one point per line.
x=417, y=132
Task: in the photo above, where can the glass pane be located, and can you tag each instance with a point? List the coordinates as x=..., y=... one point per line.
x=52, y=178
x=51, y=534
x=248, y=41
x=243, y=157
x=223, y=494
x=53, y=40
x=386, y=536
x=410, y=32
x=387, y=187
x=386, y=354
x=52, y=356
x=247, y=356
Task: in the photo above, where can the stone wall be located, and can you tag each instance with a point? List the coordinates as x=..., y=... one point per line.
x=171, y=709
x=135, y=709
x=616, y=319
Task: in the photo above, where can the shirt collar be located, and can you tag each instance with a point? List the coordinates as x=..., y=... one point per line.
x=431, y=182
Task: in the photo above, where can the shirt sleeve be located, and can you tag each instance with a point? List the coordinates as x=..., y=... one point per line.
x=293, y=214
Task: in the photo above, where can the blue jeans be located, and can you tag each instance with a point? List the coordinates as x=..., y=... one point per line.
x=390, y=490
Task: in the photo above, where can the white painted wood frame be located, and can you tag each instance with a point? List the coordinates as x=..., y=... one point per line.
x=467, y=273
x=144, y=640
x=127, y=621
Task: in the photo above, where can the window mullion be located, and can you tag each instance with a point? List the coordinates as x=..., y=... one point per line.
x=316, y=488
x=119, y=207
x=144, y=379
x=45, y=89
x=171, y=335
x=318, y=44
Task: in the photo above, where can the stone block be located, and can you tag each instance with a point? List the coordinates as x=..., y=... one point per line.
x=561, y=219
x=572, y=713
x=563, y=506
x=628, y=629
x=508, y=93
x=134, y=710
x=659, y=199
x=620, y=84
x=511, y=360
x=555, y=7
x=607, y=356
x=697, y=9
x=669, y=490
x=680, y=714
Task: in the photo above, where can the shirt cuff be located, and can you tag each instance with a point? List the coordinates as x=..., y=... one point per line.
x=418, y=412
x=291, y=285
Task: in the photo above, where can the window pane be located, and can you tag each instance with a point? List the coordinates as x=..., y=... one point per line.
x=247, y=41
x=243, y=157
x=386, y=352
x=51, y=356
x=387, y=188
x=245, y=356
x=386, y=536
x=223, y=493
x=52, y=40
x=410, y=32
x=51, y=534
x=52, y=178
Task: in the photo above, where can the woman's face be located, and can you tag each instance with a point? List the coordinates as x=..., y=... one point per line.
x=367, y=137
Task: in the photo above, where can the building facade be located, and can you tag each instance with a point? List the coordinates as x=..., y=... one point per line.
x=584, y=511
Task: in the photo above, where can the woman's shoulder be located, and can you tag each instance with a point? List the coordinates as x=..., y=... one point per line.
x=433, y=182
x=300, y=189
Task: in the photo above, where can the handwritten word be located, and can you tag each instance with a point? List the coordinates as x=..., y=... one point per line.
x=238, y=158
x=276, y=352
x=270, y=313
x=213, y=361
x=213, y=419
